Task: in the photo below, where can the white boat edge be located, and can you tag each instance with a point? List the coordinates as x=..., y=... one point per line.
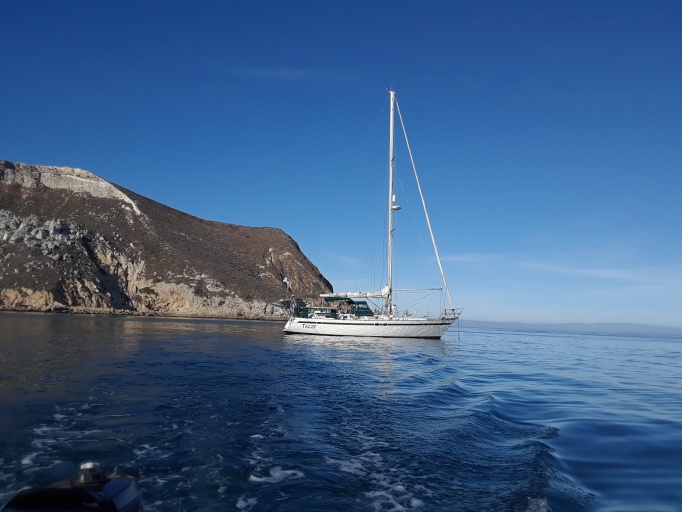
x=408, y=327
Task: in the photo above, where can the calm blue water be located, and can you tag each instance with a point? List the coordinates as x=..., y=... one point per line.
x=216, y=415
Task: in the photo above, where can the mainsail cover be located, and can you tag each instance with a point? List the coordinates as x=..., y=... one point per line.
x=381, y=294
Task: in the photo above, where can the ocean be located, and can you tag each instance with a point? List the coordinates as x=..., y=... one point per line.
x=227, y=415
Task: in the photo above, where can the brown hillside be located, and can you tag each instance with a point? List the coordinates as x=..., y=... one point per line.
x=71, y=240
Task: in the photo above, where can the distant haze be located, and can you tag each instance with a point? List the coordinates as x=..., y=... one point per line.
x=598, y=328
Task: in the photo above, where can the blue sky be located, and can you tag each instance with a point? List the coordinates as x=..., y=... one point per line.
x=547, y=134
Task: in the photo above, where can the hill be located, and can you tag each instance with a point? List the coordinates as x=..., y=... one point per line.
x=72, y=241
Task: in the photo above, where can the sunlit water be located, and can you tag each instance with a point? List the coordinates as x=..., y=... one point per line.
x=216, y=415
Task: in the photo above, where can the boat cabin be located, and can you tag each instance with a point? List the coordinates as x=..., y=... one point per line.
x=347, y=308
x=353, y=307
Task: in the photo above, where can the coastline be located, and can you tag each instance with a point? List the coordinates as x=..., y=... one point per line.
x=599, y=328
x=137, y=314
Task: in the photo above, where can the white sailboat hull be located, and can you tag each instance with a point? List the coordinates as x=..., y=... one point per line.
x=374, y=327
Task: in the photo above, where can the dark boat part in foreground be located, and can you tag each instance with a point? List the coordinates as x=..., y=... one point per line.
x=91, y=489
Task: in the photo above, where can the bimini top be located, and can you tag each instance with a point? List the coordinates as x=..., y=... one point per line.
x=334, y=298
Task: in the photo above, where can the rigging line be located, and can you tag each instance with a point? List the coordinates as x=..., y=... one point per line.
x=361, y=273
x=414, y=219
x=415, y=303
x=406, y=197
x=428, y=220
x=367, y=274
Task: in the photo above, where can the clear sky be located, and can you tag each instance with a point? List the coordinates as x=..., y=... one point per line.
x=547, y=134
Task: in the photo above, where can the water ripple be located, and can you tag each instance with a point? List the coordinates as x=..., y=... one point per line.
x=216, y=415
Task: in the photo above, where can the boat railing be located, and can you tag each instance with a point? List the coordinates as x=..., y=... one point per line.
x=303, y=309
x=453, y=313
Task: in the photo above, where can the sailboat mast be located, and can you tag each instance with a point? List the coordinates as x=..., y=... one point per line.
x=391, y=206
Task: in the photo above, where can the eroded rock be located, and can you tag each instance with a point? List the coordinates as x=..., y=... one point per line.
x=71, y=241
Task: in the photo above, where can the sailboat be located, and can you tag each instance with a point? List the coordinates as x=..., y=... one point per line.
x=354, y=316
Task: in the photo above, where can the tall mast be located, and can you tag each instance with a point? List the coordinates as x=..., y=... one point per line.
x=391, y=207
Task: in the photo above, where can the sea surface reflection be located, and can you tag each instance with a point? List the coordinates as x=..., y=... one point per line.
x=212, y=415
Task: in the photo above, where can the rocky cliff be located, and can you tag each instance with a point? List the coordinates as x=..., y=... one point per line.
x=71, y=241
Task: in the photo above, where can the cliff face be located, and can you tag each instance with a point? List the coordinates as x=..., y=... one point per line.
x=71, y=241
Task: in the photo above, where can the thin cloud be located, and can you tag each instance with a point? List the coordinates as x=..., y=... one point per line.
x=344, y=260
x=621, y=274
x=581, y=265
x=650, y=280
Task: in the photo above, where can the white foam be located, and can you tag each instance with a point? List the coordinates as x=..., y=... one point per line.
x=159, y=481
x=150, y=507
x=29, y=460
x=371, y=457
x=144, y=449
x=243, y=503
x=382, y=499
x=44, y=430
x=538, y=505
x=371, y=442
x=277, y=474
x=354, y=467
x=43, y=443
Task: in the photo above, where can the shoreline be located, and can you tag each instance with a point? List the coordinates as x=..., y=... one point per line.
x=136, y=314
